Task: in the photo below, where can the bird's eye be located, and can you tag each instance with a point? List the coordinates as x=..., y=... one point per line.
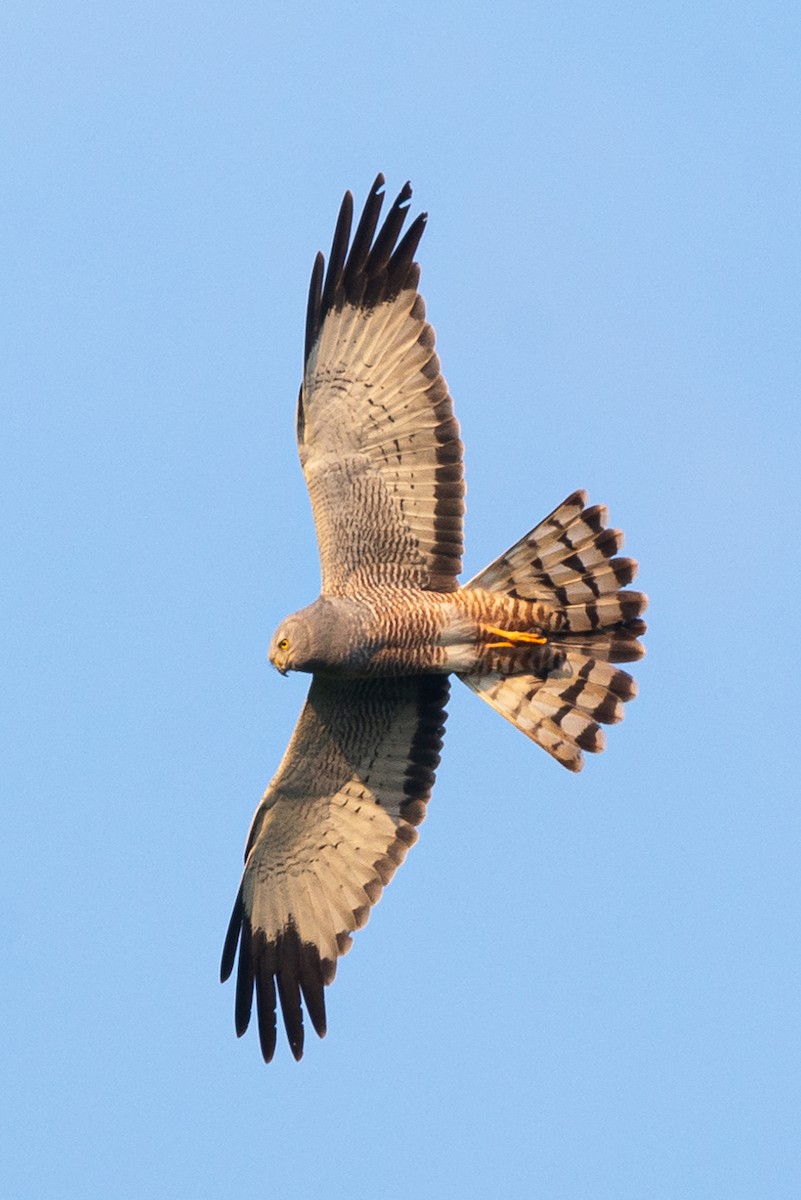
x=283, y=644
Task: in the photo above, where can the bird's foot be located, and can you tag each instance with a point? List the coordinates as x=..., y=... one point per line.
x=512, y=637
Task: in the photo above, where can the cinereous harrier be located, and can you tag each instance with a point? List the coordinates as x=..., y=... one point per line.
x=535, y=634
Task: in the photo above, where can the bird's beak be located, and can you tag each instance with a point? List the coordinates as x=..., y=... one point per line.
x=279, y=663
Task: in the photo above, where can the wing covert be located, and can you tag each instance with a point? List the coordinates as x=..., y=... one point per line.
x=333, y=826
x=377, y=437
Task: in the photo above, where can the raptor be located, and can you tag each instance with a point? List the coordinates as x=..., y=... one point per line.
x=537, y=634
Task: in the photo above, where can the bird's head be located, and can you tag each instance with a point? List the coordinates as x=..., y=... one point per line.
x=328, y=635
x=291, y=647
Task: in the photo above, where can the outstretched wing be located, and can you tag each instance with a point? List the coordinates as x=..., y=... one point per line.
x=377, y=437
x=334, y=824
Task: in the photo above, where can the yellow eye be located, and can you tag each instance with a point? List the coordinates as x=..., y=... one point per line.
x=283, y=644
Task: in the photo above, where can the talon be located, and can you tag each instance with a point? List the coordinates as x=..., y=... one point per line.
x=512, y=638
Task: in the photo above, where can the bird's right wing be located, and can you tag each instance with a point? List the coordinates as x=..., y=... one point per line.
x=377, y=437
x=334, y=824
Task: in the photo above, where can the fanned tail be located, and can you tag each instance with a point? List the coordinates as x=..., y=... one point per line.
x=568, y=563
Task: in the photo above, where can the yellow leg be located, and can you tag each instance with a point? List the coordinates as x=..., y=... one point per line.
x=511, y=638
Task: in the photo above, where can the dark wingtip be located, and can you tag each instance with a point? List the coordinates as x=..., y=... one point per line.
x=312, y=985
x=314, y=304
x=265, y=1009
x=338, y=253
x=231, y=939
x=369, y=269
x=243, y=1001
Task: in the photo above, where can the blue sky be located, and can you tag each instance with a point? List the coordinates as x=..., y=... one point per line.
x=577, y=986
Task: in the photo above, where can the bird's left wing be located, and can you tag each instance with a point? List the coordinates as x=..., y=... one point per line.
x=334, y=824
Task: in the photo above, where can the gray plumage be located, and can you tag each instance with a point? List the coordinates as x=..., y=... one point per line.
x=535, y=634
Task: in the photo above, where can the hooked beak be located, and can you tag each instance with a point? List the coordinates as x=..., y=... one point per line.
x=279, y=662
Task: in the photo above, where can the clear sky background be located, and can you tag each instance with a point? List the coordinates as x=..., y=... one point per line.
x=577, y=987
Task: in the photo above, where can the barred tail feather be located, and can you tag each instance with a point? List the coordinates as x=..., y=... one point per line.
x=568, y=558
x=610, y=645
x=564, y=712
x=570, y=564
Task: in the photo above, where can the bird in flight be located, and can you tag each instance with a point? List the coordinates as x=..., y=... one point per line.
x=536, y=634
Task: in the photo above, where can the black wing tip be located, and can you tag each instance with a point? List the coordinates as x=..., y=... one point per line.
x=314, y=302
x=243, y=1001
x=232, y=939
x=371, y=268
x=404, y=195
x=280, y=971
x=338, y=254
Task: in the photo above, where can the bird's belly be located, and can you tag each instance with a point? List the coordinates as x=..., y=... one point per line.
x=438, y=642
